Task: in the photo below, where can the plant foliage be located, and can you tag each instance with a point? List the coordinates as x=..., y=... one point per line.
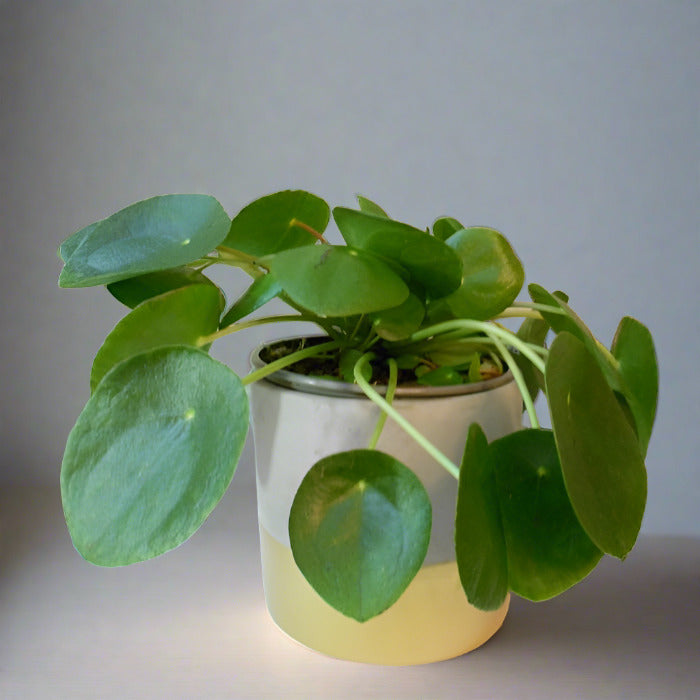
x=157, y=444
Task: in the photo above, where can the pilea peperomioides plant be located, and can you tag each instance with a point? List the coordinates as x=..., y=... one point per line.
x=157, y=444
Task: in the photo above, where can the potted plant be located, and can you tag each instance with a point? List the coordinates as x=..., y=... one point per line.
x=397, y=307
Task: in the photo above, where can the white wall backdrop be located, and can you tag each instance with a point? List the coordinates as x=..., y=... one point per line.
x=573, y=127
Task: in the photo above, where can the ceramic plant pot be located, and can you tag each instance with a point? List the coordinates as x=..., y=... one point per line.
x=296, y=421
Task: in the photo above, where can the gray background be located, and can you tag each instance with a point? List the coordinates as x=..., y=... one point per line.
x=572, y=127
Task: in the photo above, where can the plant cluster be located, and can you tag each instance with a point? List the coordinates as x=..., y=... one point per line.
x=158, y=441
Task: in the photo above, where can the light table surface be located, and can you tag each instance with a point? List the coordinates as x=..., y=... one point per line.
x=193, y=624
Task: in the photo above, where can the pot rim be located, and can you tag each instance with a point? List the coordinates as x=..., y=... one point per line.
x=332, y=387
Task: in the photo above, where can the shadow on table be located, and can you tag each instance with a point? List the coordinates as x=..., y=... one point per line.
x=651, y=598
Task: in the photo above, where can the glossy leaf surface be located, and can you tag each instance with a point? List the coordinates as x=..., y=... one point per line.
x=277, y=222
x=151, y=454
x=492, y=273
x=633, y=347
x=179, y=317
x=479, y=540
x=262, y=290
x=359, y=529
x=600, y=458
x=548, y=550
x=430, y=263
x=131, y=292
x=336, y=280
x=156, y=234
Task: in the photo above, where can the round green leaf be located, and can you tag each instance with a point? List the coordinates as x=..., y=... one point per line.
x=548, y=550
x=277, y=222
x=633, y=347
x=180, y=317
x=359, y=529
x=156, y=234
x=600, y=458
x=445, y=226
x=479, y=541
x=336, y=280
x=429, y=262
x=262, y=290
x=131, y=292
x=151, y=454
x=492, y=274
x=399, y=322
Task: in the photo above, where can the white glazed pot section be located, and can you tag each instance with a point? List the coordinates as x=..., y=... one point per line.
x=293, y=430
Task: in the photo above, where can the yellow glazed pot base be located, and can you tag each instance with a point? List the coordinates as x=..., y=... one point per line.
x=432, y=620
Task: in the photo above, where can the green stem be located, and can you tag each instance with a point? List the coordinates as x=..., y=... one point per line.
x=283, y=362
x=390, y=391
x=490, y=329
x=520, y=381
x=235, y=327
x=428, y=446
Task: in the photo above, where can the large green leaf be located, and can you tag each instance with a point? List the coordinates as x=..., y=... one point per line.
x=262, y=290
x=151, y=454
x=633, y=347
x=156, y=234
x=492, y=274
x=479, y=541
x=179, y=317
x=600, y=457
x=359, y=529
x=278, y=221
x=131, y=292
x=570, y=322
x=548, y=550
x=430, y=263
x=336, y=280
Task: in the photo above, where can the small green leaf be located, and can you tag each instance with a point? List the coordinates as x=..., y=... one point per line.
x=479, y=540
x=359, y=529
x=156, y=234
x=151, y=454
x=445, y=226
x=369, y=207
x=277, y=222
x=262, y=290
x=492, y=273
x=400, y=321
x=633, y=347
x=442, y=376
x=336, y=280
x=179, y=317
x=430, y=263
x=548, y=550
x=131, y=292
x=600, y=457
